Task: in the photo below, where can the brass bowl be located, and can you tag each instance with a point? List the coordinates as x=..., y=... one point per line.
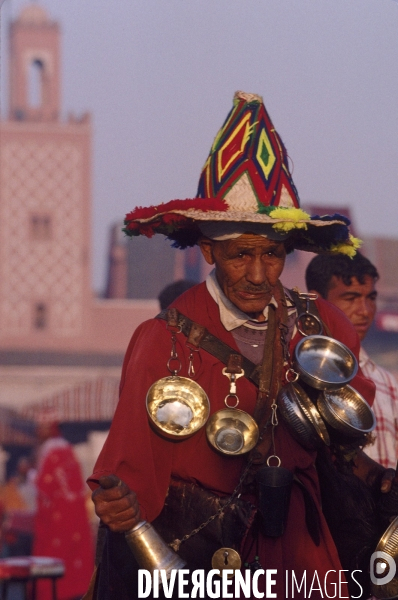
x=232, y=431
x=386, y=556
x=177, y=406
x=302, y=417
x=347, y=411
x=324, y=363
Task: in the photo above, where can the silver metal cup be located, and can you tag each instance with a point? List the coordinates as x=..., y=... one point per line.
x=151, y=551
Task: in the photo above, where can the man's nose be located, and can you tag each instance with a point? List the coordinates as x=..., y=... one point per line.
x=256, y=272
x=364, y=306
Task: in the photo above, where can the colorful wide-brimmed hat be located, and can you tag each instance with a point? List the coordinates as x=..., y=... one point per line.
x=245, y=180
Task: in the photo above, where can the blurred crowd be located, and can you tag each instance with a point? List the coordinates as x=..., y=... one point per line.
x=45, y=510
x=18, y=505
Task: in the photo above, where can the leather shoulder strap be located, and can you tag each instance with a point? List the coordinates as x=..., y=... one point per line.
x=301, y=302
x=200, y=337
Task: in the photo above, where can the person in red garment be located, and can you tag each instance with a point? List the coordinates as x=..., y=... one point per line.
x=234, y=335
x=61, y=527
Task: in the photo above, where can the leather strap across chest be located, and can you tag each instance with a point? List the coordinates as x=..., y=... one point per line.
x=262, y=375
x=200, y=337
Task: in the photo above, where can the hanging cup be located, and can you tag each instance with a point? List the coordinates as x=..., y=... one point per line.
x=274, y=484
x=232, y=431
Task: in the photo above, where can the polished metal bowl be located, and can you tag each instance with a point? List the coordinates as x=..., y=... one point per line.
x=324, y=363
x=177, y=406
x=312, y=414
x=384, y=559
x=302, y=417
x=347, y=411
x=232, y=431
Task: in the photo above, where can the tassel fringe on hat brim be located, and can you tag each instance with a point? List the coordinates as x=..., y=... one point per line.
x=246, y=179
x=313, y=234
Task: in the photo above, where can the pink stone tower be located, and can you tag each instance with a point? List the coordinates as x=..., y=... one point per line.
x=45, y=194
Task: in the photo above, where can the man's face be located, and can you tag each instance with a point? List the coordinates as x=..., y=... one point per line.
x=357, y=301
x=247, y=269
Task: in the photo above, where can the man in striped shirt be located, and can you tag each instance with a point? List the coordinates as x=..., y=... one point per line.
x=350, y=284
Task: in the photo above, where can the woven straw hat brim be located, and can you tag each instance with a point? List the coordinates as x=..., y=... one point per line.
x=233, y=216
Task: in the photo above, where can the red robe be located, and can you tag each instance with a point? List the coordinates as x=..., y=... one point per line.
x=62, y=528
x=145, y=460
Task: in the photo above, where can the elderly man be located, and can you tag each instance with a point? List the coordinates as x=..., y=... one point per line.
x=350, y=284
x=233, y=335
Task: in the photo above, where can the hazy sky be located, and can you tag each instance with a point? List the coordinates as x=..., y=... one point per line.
x=158, y=77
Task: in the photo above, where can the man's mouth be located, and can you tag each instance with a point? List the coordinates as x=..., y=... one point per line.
x=361, y=326
x=252, y=294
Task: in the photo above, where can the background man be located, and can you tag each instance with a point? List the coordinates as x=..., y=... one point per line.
x=171, y=291
x=350, y=284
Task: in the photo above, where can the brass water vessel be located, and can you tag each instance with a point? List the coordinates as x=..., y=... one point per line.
x=384, y=564
x=177, y=406
x=232, y=431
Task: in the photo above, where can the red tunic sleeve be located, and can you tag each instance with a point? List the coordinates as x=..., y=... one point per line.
x=132, y=451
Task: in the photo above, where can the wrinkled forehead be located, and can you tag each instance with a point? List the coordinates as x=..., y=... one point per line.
x=228, y=230
x=247, y=243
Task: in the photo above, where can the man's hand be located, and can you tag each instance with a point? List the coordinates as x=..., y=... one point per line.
x=389, y=477
x=388, y=505
x=115, y=504
x=382, y=480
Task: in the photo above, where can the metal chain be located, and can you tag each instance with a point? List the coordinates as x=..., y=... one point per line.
x=175, y=545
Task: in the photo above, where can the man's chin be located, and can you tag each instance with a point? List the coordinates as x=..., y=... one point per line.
x=254, y=310
x=362, y=331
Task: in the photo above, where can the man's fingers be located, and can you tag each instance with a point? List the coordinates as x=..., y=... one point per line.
x=386, y=481
x=109, y=481
x=119, y=515
x=115, y=504
x=121, y=521
x=111, y=488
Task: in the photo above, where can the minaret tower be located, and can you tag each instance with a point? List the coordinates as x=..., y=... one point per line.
x=45, y=211
x=34, y=67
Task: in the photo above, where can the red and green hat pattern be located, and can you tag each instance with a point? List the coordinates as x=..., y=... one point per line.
x=245, y=179
x=248, y=147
